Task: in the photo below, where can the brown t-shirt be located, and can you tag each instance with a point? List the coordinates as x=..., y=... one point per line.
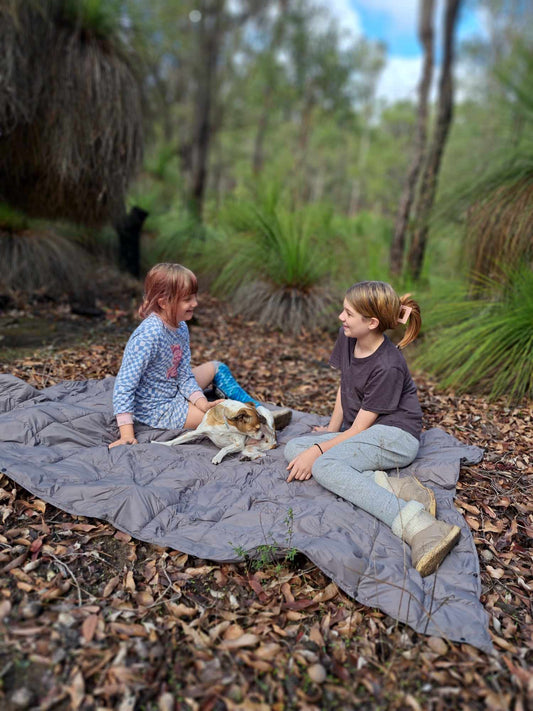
x=379, y=383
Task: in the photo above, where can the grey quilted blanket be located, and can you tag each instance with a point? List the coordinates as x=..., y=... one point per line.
x=53, y=442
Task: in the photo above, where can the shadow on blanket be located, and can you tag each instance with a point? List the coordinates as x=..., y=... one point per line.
x=53, y=442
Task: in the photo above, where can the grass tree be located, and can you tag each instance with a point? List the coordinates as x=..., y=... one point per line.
x=70, y=109
x=275, y=263
x=485, y=343
x=70, y=122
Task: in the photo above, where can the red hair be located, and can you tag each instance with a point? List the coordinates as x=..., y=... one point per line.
x=170, y=282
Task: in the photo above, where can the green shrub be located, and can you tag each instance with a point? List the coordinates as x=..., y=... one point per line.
x=275, y=264
x=484, y=341
x=364, y=242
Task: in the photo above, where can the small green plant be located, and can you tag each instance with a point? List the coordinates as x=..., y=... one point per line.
x=271, y=554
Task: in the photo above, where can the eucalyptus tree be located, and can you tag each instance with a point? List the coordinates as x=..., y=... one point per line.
x=192, y=50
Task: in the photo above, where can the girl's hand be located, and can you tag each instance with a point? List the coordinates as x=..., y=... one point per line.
x=123, y=440
x=301, y=466
x=213, y=403
x=207, y=405
x=321, y=428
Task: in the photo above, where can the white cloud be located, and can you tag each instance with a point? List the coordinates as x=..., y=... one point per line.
x=347, y=17
x=399, y=79
x=401, y=76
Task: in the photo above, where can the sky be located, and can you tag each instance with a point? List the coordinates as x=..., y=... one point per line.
x=394, y=22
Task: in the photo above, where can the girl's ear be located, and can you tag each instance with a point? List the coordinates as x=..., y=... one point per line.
x=373, y=323
x=162, y=302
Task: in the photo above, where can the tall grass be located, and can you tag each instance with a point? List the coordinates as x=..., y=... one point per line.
x=485, y=343
x=275, y=264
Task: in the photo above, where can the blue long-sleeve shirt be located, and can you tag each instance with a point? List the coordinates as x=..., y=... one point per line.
x=155, y=381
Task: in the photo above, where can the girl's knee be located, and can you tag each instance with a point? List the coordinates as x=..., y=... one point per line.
x=322, y=467
x=291, y=450
x=296, y=446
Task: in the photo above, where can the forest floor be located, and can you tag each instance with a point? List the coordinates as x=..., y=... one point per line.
x=93, y=619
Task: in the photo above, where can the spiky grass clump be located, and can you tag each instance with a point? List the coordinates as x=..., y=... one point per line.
x=274, y=264
x=501, y=225
x=486, y=343
x=70, y=109
x=44, y=263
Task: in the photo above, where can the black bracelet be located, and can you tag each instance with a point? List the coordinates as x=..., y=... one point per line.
x=320, y=448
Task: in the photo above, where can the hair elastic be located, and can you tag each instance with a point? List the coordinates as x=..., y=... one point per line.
x=405, y=312
x=320, y=448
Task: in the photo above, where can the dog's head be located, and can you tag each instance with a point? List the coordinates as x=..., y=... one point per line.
x=241, y=416
x=255, y=423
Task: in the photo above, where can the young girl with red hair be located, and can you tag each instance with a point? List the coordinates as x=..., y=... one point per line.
x=156, y=384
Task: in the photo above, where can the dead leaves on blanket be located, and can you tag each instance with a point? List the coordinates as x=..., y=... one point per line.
x=91, y=619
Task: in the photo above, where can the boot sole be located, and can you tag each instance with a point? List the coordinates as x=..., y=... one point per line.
x=282, y=419
x=429, y=563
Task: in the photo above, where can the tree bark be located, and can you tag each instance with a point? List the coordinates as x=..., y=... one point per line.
x=268, y=104
x=210, y=42
x=426, y=37
x=129, y=240
x=428, y=185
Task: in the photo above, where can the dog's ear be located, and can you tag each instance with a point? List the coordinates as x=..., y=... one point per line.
x=243, y=415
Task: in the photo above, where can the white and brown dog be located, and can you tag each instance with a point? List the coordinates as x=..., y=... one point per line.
x=234, y=427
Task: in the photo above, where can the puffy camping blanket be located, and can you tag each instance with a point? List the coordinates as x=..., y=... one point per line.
x=53, y=442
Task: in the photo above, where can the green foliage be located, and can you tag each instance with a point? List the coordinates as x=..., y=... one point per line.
x=12, y=220
x=484, y=341
x=275, y=263
x=101, y=17
x=363, y=244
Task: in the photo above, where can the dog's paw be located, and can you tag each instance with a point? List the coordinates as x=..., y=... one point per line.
x=251, y=456
x=216, y=459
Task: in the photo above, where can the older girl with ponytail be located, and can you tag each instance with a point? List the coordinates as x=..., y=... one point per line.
x=376, y=425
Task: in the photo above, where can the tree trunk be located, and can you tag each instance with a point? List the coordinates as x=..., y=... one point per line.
x=268, y=104
x=428, y=186
x=210, y=40
x=129, y=240
x=426, y=37
x=262, y=127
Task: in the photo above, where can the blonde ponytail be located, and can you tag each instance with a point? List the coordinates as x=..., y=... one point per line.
x=414, y=322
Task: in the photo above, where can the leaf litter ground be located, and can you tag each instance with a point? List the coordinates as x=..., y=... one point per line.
x=93, y=619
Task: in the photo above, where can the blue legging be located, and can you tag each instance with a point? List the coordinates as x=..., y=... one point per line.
x=348, y=468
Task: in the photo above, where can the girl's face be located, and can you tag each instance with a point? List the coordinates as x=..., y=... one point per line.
x=185, y=308
x=355, y=325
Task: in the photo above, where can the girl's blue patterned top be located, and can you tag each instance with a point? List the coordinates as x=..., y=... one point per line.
x=155, y=380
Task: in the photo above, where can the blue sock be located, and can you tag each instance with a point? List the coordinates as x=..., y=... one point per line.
x=229, y=387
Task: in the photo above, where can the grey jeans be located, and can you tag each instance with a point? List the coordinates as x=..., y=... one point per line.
x=348, y=468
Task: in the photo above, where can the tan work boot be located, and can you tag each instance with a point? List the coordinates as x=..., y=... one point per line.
x=408, y=488
x=430, y=540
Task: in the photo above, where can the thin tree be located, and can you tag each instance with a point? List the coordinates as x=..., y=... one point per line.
x=429, y=177
x=426, y=36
